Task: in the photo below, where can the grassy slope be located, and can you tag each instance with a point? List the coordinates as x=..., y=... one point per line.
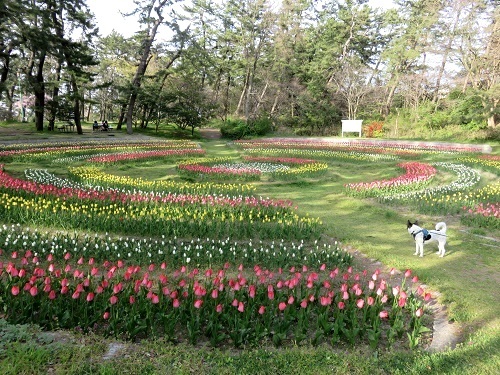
x=467, y=280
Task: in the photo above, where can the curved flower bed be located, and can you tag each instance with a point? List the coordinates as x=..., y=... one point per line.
x=227, y=305
x=301, y=167
x=393, y=147
x=113, y=158
x=204, y=169
x=94, y=177
x=27, y=202
x=417, y=176
x=323, y=154
x=35, y=151
x=437, y=199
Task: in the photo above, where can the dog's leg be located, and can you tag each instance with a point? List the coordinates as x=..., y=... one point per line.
x=442, y=250
x=419, y=248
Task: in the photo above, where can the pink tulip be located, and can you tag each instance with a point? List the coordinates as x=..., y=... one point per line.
x=419, y=312
x=106, y=315
x=282, y=306
x=90, y=297
x=291, y=300
x=113, y=300
x=33, y=291
x=241, y=307
x=341, y=305
x=303, y=304
x=218, y=308
x=262, y=310
x=383, y=314
x=15, y=290
x=76, y=295
x=176, y=303
x=198, y=303
x=52, y=294
x=360, y=303
x=408, y=273
x=155, y=298
x=370, y=301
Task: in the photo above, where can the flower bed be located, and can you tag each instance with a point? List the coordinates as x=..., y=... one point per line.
x=227, y=305
x=417, y=176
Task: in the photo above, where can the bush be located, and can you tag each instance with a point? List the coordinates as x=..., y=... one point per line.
x=234, y=129
x=237, y=129
x=374, y=129
x=261, y=126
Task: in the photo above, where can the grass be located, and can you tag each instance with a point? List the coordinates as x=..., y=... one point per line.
x=466, y=279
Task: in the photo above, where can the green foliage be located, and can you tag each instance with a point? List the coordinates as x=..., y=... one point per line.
x=238, y=129
x=234, y=129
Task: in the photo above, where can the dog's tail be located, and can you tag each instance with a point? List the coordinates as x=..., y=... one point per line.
x=441, y=226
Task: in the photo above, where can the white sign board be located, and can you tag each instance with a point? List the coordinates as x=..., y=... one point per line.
x=351, y=126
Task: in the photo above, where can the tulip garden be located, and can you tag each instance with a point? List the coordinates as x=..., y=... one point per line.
x=201, y=255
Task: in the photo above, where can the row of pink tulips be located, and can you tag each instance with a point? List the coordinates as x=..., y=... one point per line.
x=232, y=304
x=113, y=158
x=416, y=174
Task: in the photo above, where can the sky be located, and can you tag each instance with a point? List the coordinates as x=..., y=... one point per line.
x=108, y=17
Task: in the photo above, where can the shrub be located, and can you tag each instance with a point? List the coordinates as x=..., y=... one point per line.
x=234, y=129
x=374, y=129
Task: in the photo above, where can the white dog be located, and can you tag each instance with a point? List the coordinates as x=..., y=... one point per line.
x=422, y=236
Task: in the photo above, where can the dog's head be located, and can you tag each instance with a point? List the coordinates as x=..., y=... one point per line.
x=411, y=226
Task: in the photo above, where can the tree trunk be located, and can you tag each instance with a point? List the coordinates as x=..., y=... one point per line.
x=39, y=91
x=143, y=64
